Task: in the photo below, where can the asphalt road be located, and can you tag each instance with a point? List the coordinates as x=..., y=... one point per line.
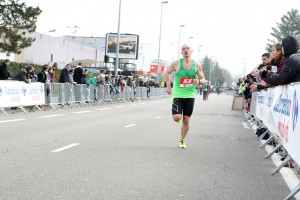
x=130, y=151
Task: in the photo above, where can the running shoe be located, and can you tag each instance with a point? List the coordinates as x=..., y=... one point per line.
x=178, y=122
x=182, y=144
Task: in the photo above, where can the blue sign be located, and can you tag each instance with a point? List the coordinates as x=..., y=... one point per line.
x=295, y=111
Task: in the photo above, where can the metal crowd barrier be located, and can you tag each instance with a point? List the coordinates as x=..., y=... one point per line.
x=252, y=120
x=69, y=96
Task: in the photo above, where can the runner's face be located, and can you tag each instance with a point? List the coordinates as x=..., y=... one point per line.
x=186, y=51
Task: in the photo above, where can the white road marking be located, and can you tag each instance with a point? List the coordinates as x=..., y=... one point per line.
x=103, y=109
x=133, y=104
x=157, y=117
x=64, y=148
x=130, y=125
x=49, y=116
x=141, y=103
x=12, y=120
x=120, y=106
x=86, y=111
x=288, y=175
x=245, y=125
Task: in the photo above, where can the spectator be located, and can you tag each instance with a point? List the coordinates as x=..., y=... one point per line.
x=71, y=74
x=78, y=74
x=94, y=81
x=4, y=73
x=291, y=67
x=31, y=75
x=266, y=59
x=85, y=75
x=23, y=74
x=278, y=58
x=54, y=67
x=65, y=75
x=42, y=75
x=50, y=74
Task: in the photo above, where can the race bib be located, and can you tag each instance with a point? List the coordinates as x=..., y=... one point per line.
x=186, y=82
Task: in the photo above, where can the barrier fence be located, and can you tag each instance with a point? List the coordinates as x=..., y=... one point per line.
x=19, y=94
x=277, y=110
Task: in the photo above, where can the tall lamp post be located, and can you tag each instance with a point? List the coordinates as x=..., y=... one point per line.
x=210, y=70
x=199, y=48
x=179, y=39
x=171, y=44
x=158, y=57
x=94, y=42
x=190, y=39
x=118, y=41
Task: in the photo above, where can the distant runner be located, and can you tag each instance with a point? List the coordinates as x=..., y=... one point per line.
x=183, y=93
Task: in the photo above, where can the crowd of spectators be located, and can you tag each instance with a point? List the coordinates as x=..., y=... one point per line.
x=78, y=75
x=281, y=67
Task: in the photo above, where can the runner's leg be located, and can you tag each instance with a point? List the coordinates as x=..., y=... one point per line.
x=185, y=126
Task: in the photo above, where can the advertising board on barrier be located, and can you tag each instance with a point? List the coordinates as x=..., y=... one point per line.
x=15, y=93
x=278, y=108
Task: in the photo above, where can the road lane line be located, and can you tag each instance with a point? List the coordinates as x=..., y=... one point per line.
x=120, y=106
x=12, y=120
x=245, y=125
x=158, y=117
x=287, y=174
x=103, y=109
x=130, y=125
x=80, y=112
x=64, y=148
x=49, y=116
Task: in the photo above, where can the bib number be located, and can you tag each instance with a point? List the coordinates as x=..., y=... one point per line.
x=186, y=82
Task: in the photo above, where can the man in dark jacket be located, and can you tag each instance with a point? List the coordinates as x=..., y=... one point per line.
x=291, y=68
x=23, y=74
x=78, y=74
x=4, y=73
x=65, y=75
x=42, y=76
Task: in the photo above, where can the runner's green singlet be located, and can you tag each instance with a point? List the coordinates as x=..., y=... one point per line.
x=183, y=86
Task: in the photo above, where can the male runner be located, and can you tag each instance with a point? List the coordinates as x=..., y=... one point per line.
x=183, y=93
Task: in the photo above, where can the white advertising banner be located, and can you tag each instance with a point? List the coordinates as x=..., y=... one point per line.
x=15, y=93
x=278, y=108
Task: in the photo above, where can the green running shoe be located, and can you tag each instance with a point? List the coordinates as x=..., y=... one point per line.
x=182, y=144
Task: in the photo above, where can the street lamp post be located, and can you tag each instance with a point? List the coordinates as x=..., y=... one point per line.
x=199, y=48
x=210, y=71
x=158, y=57
x=179, y=39
x=171, y=44
x=118, y=41
x=190, y=39
x=94, y=42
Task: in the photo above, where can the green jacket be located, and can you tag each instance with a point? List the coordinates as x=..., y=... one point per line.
x=92, y=81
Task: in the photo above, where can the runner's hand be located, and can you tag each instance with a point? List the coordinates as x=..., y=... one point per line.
x=196, y=81
x=168, y=90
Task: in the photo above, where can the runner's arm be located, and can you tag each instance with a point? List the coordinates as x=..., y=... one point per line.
x=171, y=68
x=200, y=74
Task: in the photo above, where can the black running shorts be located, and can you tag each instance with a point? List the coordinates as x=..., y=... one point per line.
x=183, y=106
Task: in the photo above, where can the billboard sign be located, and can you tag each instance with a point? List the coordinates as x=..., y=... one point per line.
x=128, y=45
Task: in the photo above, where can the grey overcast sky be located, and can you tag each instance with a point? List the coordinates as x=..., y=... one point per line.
x=233, y=32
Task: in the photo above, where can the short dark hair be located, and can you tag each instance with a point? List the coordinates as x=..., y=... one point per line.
x=268, y=55
x=260, y=66
x=45, y=67
x=29, y=67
